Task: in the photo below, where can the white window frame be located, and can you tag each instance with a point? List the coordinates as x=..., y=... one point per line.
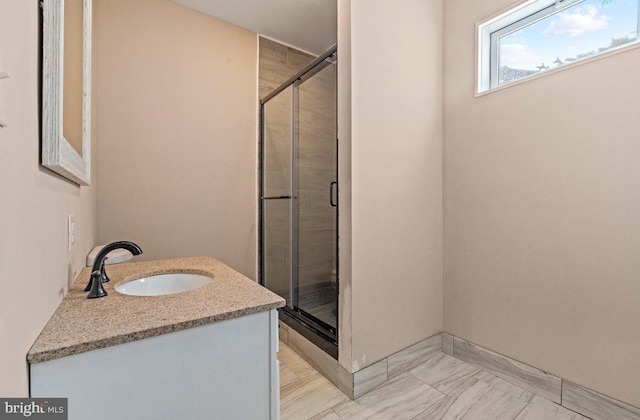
x=490, y=31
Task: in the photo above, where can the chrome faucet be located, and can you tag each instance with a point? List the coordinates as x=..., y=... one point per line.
x=99, y=275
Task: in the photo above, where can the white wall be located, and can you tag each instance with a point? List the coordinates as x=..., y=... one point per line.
x=396, y=173
x=177, y=151
x=35, y=267
x=542, y=191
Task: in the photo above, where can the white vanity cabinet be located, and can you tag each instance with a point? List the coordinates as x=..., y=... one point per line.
x=225, y=370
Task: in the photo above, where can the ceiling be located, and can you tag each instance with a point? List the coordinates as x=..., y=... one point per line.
x=310, y=25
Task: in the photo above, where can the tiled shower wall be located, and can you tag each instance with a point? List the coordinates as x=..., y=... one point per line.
x=316, y=162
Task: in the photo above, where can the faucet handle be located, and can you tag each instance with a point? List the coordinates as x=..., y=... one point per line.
x=97, y=291
x=103, y=272
x=103, y=276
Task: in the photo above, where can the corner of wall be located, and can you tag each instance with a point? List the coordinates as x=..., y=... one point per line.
x=344, y=178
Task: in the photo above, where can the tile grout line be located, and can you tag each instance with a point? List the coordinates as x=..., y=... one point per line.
x=334, y=411
x=419, y=414
x=387, y=359
x=453, y=345
x=520, y=412
x=562, y=380
x=429, y=385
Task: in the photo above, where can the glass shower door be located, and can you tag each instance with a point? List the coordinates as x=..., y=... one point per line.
x=298, y=201
x=276, y=200
x=315, y=207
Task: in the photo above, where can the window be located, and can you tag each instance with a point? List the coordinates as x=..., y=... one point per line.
x=542, y=35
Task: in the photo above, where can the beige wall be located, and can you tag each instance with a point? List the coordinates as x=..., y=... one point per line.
x=396, y=170
x=176, y=127
x=35, y=267
x=542, y=190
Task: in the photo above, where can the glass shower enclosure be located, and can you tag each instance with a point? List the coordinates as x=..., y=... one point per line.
x=298, y=200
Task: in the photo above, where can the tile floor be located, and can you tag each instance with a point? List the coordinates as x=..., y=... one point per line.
x=443, y=387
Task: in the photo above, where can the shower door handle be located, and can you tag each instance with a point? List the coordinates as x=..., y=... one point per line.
x=276, y=197
x=333, y=184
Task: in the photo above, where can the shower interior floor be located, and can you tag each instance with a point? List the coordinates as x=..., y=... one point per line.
x=321, y=301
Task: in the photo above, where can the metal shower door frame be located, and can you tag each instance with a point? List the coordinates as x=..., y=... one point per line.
x=303, y=317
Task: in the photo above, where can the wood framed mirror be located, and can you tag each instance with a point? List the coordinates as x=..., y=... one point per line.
x=66, y=88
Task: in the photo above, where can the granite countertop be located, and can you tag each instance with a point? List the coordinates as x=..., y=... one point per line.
x=80, y=324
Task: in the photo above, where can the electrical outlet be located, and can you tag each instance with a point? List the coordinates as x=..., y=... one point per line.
x=71, y=231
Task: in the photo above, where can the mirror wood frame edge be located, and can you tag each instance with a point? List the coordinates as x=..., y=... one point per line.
x=57, y=153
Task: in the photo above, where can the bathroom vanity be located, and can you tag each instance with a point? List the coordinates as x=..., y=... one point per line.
x=209, y=353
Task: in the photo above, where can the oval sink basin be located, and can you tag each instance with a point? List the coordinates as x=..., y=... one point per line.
x=163, y=284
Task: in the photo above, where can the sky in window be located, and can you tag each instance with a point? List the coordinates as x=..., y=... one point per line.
x=582, y=30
